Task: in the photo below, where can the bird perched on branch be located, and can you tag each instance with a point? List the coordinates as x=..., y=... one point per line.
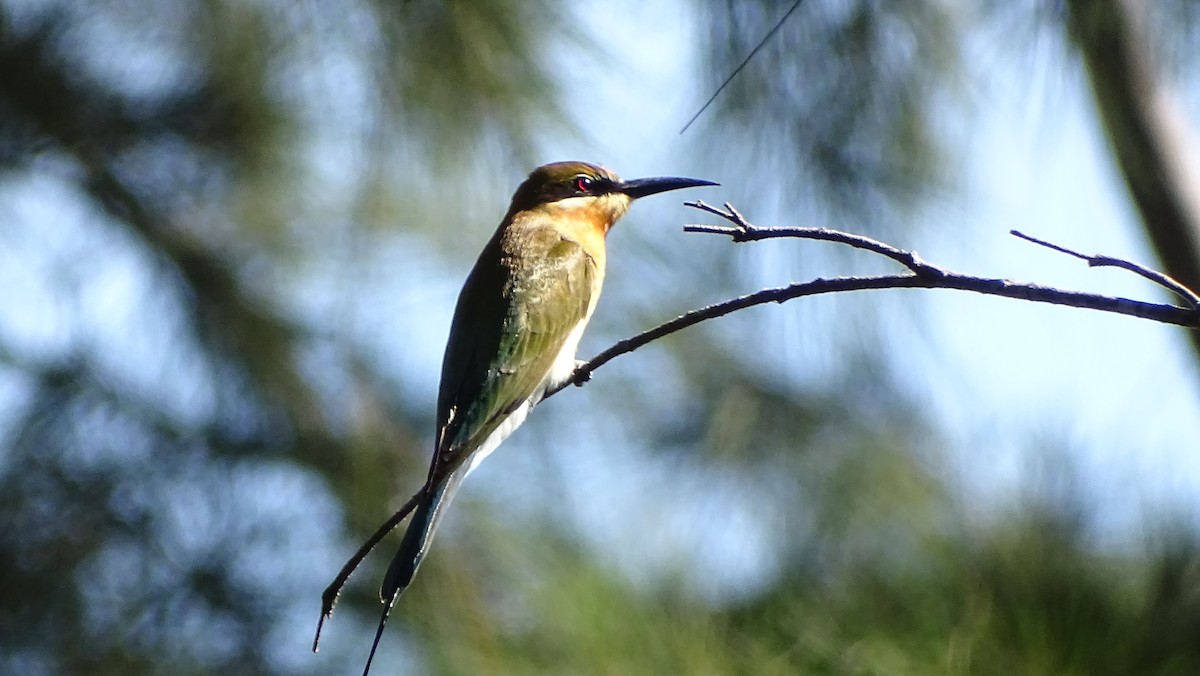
x=515, y=331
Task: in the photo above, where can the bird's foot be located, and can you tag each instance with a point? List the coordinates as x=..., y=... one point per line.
x=581, y=374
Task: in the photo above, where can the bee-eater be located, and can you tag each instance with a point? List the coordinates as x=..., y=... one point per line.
x=515, y=330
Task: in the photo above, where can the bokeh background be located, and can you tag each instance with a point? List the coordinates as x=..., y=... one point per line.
x=232, y=232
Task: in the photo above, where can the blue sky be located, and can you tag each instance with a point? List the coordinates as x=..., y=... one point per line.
x=1000, y=373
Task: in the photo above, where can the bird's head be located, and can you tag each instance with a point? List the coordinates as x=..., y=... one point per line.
x=587, y=191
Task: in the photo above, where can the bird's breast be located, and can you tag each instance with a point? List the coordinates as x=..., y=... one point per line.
x=564, y=363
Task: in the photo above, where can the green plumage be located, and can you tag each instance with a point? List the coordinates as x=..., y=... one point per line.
x=529, y=289
x=516, y=327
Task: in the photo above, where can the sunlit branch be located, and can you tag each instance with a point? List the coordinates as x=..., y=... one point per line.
x=920, y=275
x=1098, y=261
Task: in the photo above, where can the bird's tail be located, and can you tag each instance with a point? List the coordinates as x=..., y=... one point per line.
x=414, y=546
x=418, y=536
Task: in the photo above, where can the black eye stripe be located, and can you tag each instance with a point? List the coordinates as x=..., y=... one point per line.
x=579, y=185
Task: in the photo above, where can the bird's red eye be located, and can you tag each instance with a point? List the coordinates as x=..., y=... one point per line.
x=583, y=183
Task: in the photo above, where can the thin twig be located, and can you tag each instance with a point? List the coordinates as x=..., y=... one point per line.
x=745, y=231
x=1167, y=314
x=1097, y=261
x=923, y=276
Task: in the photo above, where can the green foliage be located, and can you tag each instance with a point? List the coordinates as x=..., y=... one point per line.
x=873, y=147
x=208, y=394
x=1023, y=592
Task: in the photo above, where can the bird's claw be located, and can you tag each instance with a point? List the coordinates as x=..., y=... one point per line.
x=581, y=375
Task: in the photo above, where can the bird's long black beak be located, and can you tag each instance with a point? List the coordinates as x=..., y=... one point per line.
x=641, y=187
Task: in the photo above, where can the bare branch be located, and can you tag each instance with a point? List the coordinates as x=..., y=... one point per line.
x=922, y=275
x=1141, y=111
x=744, y=231
x=1096, y=261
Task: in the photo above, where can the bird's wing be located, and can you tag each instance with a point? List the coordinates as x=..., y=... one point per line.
x=512, y=319
x=511, y=322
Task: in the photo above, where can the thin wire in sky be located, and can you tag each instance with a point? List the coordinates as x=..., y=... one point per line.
x=742, y=65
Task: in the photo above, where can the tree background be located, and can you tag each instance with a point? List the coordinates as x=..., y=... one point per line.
x=232, y=233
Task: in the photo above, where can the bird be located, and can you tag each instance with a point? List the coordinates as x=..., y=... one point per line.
x=516, y=328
